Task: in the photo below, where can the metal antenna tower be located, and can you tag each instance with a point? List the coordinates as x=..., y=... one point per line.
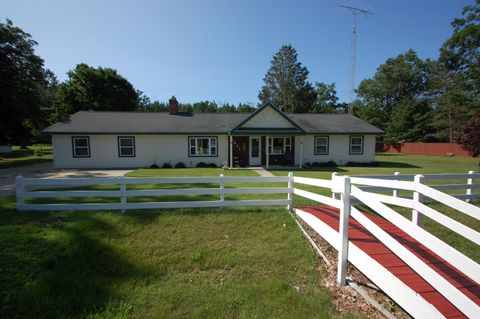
x=356, y=12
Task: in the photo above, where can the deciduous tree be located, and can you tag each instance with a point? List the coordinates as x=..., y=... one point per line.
x=400, y=81
x=97, y=89
x=326, y=101
x=469, y=136
x=26, y=87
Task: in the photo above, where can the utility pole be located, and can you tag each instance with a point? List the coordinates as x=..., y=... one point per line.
x=355, y=12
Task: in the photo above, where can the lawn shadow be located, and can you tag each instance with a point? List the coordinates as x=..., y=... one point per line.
x=312, y=169
x=56, y=266
x=148, y=216
x=397, y=165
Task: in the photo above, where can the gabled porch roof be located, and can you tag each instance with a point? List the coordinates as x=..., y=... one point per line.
x=267, y=120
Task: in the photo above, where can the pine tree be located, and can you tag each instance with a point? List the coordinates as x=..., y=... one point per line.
x=286, y=83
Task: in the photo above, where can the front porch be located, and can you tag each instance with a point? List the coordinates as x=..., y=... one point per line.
x=264, y=150
x=267, y=137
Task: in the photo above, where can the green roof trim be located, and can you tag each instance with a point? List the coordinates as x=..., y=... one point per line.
x=268, y=104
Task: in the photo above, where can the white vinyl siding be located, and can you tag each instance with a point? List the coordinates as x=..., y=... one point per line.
x=202, y=146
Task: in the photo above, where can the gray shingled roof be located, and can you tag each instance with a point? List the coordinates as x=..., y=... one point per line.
x=158, y=123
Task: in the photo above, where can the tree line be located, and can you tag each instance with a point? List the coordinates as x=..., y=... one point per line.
x=407, y=97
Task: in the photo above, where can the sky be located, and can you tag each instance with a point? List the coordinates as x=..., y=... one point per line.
x=220, y=50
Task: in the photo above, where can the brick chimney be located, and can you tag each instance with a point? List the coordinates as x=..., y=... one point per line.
x=173, y=105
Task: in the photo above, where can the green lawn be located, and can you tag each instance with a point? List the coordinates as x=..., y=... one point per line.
x=33, y=154
x=182, y=263
x=390, y=163
x=411, y=164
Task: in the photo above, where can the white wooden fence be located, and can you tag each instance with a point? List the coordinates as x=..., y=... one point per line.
x=24, y=185
x=349, y=191
x=468, y=187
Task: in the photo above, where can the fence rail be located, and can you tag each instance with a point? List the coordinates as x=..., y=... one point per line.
x=23, y=184
x=351, y=190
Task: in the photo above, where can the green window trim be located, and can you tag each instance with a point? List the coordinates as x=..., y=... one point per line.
x=357, y=144
x=126, y=147
x=76, y=149
x=327, y=145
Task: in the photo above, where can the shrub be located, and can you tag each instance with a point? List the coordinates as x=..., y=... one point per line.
x=38, y=152
x=167, y=165
x=324, y=164
x=357, y=164
x=212, y=165
x=180, y=165
x=202, y=164
x=154, y=166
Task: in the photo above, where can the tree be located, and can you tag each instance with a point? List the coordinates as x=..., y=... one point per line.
x=326, y=101
x=469, y=136
x=286, y=83
x=97, y=89
x=245, y=108
x=26, y=87
x=400, y=80
x=460, y=52
x=408, y=122
x=456, y=75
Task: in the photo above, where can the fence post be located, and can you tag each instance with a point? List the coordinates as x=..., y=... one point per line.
x=469, y=190
x=395, y=192
x=334, y=175
x=19, y=191
x=343, y=232
x=123, y=195
x=222, y=187
x=290, y=193
x=417, y=198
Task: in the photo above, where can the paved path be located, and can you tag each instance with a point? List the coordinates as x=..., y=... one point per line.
x=46, y=170
x=263, y=172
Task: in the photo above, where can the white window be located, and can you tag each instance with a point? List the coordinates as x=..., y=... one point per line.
x=321, y=145
x=126, y=146
x=202, y=146
x=81, y=146
x=356, y=145
x=279, y=145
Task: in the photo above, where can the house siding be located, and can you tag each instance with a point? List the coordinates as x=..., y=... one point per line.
x=338, y=150
x=268, y=118
x=149, y=149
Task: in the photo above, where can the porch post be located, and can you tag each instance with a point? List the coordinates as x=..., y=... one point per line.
x=301, y=151
x=266, y=149
x=231, y=150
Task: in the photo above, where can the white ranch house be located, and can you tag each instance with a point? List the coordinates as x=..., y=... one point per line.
x=267, y=137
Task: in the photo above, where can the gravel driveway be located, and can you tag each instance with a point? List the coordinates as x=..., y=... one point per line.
x=46, y=170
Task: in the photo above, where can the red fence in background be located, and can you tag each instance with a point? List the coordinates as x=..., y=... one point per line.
x=439, y=149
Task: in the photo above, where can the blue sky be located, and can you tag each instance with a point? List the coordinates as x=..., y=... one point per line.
x=220, y=50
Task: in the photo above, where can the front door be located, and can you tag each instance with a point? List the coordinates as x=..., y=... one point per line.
x=255, y=146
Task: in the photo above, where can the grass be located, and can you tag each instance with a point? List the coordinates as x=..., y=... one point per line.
x=182, y=263
x=411, y=164
x=39, y=153
x=390, y=163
